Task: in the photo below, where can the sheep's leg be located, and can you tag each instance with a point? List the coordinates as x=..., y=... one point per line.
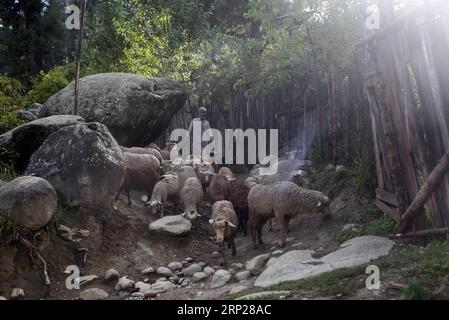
x=234, y=250
x=129, y=198
x=281, y=221
x=252, y=229
x=221, y=246
x=118, y=194
x=259, y=232
x=271, y=225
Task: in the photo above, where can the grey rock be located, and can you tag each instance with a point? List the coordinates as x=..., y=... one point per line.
x=84, y=164
x=271, y=261
x=93, y=294
x=26, y=139
x=340, y=168
x=277, y=252
x=148, y=270
x=175, y=265
x=151, y=293
x=192, y=269
x=25, y=115
x=199, y=276
x=35, y=109
x=243, y=275
x=209, y=270
x=17, y=293
x=220, y=278
x=171, y=225
x=299, y=264
x=256, y=264
x=164, y=271
x=29, y=201
x=142, y=286
x=124, y=284
x=189, y=259
x=111, y=274
x=135, y=109
x=163, y=286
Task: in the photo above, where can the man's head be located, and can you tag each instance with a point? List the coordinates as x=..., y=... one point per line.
x=203, y=113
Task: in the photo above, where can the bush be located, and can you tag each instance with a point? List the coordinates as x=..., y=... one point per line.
x=371, y=221
x=47, y=84
x=11, y=97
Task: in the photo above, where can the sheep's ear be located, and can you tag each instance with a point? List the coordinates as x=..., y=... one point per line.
x=231, y=225
x=319, y=204
x=183, y=215
x=211, y=221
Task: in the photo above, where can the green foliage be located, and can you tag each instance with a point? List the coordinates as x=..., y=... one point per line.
x=370, y=222
x=11, y=97
x=7, y=171
x=415, y=291
x=8, y=228
x=47, y=84
x=331, y=182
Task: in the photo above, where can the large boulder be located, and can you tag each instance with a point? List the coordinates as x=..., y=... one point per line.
x=29, y=201
x=177, y=226
x=299, y=264
x=84, y=164
x=135, y=109
x=23, y=141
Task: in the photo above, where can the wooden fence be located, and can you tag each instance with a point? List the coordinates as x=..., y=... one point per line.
x=407, y=86
x=392, y=106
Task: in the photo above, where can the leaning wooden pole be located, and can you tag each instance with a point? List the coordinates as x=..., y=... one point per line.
x=78, y=56
x=431, y=184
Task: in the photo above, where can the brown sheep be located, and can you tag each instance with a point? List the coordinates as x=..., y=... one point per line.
x=191, y=196
x=204, y=170
x=283, y=200
x=225, y=224
x=167, y=188
x=218, y=188
x=142, y=174
x=137, y=150
x=239, y=199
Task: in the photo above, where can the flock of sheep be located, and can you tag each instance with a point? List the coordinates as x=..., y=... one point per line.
x=236, y=204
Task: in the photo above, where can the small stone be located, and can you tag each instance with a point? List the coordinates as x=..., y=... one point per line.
x=340, y=168
x=209, y=270
x=142, y=286
x=124, y=284
x=148, y=270
x=215, y=253
x=220, y=278
x=2, y=298
x=164, y=271
x=150, y=294
x=189, y=259
x=243, y=275
x=277, y=252
x=174, y=279
x=138, y=294
x=237, y=289
x=146, y=280
x=198, y=276
x=256, y=264
x=199, y=293
x=202, y=264
x=161, y=280
x=184, y=263
x=239, y=265
x=94, y=294
x=111, y=274
x=190, y=270
x=175, y=265
x=17, y=293
x=163, y=286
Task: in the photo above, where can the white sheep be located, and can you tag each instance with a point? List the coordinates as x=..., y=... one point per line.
x=191, y=196
x=167, y=188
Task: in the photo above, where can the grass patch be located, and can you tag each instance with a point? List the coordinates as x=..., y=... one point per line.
x=370, y=222
x=342, y=281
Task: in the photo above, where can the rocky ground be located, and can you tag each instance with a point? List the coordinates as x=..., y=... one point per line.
x=152, y=266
